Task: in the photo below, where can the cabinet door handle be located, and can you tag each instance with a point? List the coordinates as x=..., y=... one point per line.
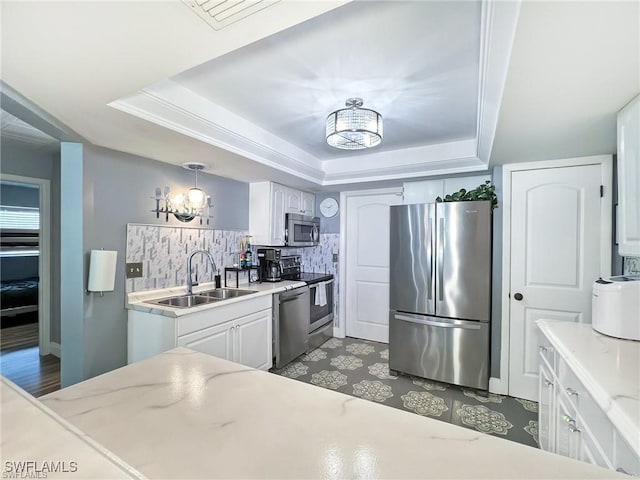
x=574, y=429
x=542, y=349
x=571, y=391
x=548, y=383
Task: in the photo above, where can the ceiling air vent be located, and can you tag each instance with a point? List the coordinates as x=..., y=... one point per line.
x=222, y=13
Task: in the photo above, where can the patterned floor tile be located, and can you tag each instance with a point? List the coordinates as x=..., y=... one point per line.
x=361, y=368
x=481, y=418
x=372, y=390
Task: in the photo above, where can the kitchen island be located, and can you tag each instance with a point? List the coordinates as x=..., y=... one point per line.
x=184, y=414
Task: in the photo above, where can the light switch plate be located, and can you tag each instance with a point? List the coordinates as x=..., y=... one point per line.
x=134, y=270
x=335, y=258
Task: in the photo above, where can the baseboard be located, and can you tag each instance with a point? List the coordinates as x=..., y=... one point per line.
x=498, y=385
x=54, y=347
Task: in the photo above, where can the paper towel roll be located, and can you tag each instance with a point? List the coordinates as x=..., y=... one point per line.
x=102, y=270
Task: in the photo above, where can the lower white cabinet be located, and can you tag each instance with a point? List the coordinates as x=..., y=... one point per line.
x=240, y=332
x=245, y=340
x=570, y=423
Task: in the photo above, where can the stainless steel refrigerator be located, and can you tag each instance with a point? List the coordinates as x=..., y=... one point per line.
x=440, y=291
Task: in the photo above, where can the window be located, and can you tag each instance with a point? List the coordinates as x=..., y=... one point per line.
x=20, y=231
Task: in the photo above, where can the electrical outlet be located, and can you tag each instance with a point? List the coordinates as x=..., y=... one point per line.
x=134, y=270
x=335, y=258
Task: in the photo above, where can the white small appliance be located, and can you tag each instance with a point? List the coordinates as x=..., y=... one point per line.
x=616, y=306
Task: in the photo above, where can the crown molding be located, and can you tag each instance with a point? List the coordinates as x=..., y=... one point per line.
x=498, y=29
x=173, y=106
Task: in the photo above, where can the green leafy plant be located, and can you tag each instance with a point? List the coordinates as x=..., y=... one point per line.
x=486, y=191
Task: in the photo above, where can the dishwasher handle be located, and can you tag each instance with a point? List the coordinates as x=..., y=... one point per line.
x=292, y=294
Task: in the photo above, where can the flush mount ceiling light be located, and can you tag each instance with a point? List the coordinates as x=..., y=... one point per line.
x=354, y=127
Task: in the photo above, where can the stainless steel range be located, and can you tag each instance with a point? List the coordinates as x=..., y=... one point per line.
x=320, y=299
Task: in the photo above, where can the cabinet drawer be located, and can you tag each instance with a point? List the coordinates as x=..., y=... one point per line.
x=546, y=352
x=587, y=408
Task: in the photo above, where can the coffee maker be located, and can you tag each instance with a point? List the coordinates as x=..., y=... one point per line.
x=270, y=264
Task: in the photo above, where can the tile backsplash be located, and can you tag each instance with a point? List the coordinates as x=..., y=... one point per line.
x=320, y=260
x=631, y=266
x=163, y=252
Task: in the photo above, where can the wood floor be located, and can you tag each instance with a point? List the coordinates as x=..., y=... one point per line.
x=20, y=361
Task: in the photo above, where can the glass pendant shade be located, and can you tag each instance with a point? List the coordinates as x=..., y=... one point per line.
x=196, y=198
x=354, y=128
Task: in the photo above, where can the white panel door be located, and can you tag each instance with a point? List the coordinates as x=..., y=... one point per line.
x=367, y=266
x=555, y=257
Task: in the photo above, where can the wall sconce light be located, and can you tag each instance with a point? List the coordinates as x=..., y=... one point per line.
x=185, y=206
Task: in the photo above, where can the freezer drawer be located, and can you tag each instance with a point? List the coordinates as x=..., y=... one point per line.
x=451, y=351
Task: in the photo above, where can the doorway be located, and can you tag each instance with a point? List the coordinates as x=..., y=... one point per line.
x=558, y=220
x=365, y=255
x=25, y=346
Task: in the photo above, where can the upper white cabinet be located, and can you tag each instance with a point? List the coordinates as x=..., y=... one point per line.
x=308, y=204
x=628, y=179
x=428, y=190
x=268, y=204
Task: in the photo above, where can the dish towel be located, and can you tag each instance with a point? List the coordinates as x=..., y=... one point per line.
x=321, y=294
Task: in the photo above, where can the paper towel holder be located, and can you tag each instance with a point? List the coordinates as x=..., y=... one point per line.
x=102, y=271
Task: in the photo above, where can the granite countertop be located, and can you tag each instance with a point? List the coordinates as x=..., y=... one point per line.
x=138, y=300
x=35, y=439
x=184, y=414
x=608, y=367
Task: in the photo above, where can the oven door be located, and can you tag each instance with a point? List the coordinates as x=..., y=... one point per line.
x=320, y=314
x=302, y=231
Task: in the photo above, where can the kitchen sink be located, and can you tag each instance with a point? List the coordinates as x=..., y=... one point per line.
x=185, y=301
x=225, y=293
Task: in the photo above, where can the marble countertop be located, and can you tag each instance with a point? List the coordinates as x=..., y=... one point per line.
x=184, y=414
x=608, y=367
x=138, y=300
x=35, y=439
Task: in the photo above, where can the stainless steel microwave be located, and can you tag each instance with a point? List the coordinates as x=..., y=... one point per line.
x=301, y=230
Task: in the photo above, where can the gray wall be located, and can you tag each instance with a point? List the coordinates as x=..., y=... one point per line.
x=328, y=225
x=117, y=190
x=29, y=160
x=19, y=196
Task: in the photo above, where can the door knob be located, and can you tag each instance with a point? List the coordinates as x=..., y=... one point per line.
x=518, y=296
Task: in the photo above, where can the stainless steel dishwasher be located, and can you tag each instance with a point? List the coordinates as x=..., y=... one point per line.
x=290, y=324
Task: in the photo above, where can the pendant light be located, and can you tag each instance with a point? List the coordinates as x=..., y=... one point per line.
x=354, y=127
x=195, y=198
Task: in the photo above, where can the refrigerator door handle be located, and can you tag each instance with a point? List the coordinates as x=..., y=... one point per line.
x=440, y=265
x=435, y=323
x=431, y=281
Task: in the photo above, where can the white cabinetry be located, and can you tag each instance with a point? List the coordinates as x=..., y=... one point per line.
x=307, y=204
x=628, y=175
x=245, y=340
x=570, y=423
x=428, y=190
x=268, y=204
x=239, y=332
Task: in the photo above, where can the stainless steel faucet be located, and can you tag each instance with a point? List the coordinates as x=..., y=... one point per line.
x=189, y=268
